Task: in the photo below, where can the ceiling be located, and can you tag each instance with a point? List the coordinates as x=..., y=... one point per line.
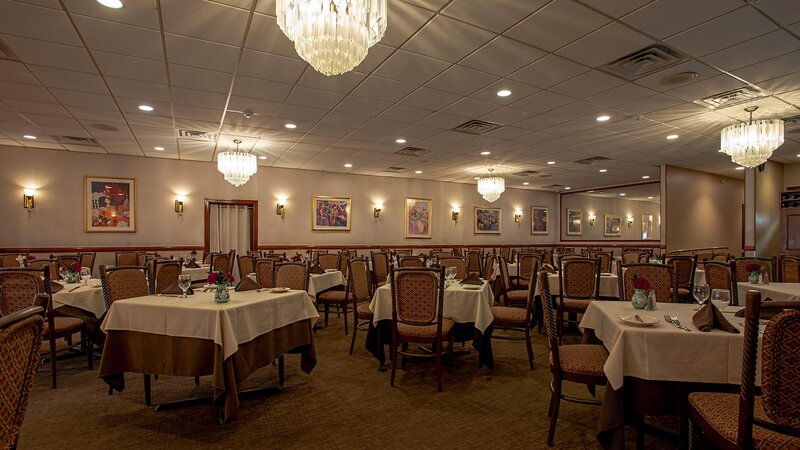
x=650, y=192
x=83, y=70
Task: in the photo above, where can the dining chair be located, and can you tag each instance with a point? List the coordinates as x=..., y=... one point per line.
x=719, y=275
x=315, y=254
x=684, y=268
x=789, y=269
x=380, y=267
x=86, y=259
x=417, y=318
x=264, y=271
x=48, y=263
x=20, y=340
x=292, y=275
x=724, y=257
x=344, y=258
x=459, y=263
x=440, y=254
x=144, y=258
x=9, y=260
x=458, y=252
x=579, y=284
x=66, y=260
x=661, y=277
x=276, y=257
x=361, y=293
x=527, y=263
x=220, y=262
x=605, y=260
x=354, y=290
x=517, y=319
x=400, y=252
x=511, y=295
x=352, y=253
x=22, y=288
x=743, y=420
x=475, y=262
x=255, y=254
x=630, y=257
x=125, y=259
x=410, y=261
x=742, y=274
x=577, y=363
x=163, y=273
x=246, y=265
x=505, y=252
x=328, y=261
x=488, y=266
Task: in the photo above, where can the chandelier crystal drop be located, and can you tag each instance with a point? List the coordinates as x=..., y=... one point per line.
x=333, y=36
x=751, y=144
x=237, y=167
x=491, y=187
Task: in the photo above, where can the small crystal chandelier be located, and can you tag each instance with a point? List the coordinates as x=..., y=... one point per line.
x=751, y=144
x=491, y=187
x=236, y=166
x=333, y=36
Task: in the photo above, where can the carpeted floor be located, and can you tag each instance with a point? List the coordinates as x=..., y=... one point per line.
x=345, y=403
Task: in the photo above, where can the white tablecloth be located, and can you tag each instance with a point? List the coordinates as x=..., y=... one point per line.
x=461, y=305
x=321, y=281
x=248, y=315
x=197, y=274
x=664, y=352
x=513, y=270
x=784, y=292
x=87, y=298
x=608, y=285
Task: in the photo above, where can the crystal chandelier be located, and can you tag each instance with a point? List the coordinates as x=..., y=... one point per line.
x=491, y=187
x=751, y=144
x=332, y=35
x=236, y=166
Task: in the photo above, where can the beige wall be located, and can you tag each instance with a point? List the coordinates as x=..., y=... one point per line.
x=57, y=219
x=769, y=184
x=702, y=210
x=791, y=175
x=600, y=206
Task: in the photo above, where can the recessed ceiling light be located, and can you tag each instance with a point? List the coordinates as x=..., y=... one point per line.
x=400, y=141
x=417, y=172
x=672, y=137
x=623, y=194
x=649, y=198
x=720, y=150
x=113, y=4
x=740, y=168
x=503, y=93
x=477, y=178
x=348, y=165
x=645, y=177
x=551, y=162
x=603, y=170
x=602, y=118
x=146, y=108
x=525, y=183
x=262, y=157
x=486, y=153
x=160, y=149
x=30, y=136
x=567, y=188
x=590, y=192
x=290, y=126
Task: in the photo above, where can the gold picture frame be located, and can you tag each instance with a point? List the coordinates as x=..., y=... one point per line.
x=109, y=204
x=330, y=213
x=540, y=220
x=574, y=221
x=417, y=217
x=612, y=225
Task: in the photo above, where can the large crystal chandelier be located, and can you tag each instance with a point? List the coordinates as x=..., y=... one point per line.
x=751, y=144
x=332, y=35
x=236, y=166
x=491, y=187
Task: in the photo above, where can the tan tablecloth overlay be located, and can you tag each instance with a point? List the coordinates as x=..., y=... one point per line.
x=784, y=292
x=87, y=298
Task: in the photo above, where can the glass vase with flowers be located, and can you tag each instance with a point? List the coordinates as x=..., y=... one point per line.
x=222, y=281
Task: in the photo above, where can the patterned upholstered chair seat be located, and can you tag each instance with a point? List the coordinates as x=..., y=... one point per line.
x=506, y=316
x=65, y=324
x=424, y=331
x=333, y=297
x=721, y=412
x=575, y=305
x=363, y=311
x=584, y=359
x=518, y=296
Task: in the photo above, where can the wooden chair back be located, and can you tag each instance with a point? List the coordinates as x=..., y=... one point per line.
x=264, y=269
x=661, y=278
x=291, y=275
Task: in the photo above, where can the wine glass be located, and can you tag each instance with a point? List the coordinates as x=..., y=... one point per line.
x=86, y=273
x=450, y=274
x=722, y=297
x=62, y=272
x=184, y=281
x=701, y=293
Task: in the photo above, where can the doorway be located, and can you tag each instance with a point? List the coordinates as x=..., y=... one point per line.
x=231, y=225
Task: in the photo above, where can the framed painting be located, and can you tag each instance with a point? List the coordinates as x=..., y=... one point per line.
x=574, y=222
x=613, y=225
x=109, y=205
x=647, y=226
x=418, y=218
x=540, y=220
x=330, y=213
x=488, y=220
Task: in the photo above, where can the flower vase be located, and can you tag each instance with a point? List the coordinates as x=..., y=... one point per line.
x=639, y=299
x=221, y=295
x=754, y=277
x=71, y=277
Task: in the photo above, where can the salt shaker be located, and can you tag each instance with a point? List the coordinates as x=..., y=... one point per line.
x=651, y=302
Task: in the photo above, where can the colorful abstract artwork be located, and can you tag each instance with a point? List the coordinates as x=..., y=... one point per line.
x=418, y=218
x=540, y=220
x=488, y=220
x=109, y=204
x=330, y=213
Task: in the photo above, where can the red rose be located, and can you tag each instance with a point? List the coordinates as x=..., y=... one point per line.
x=75, y=267
x=31, y=257
x=212, y=278
x=752, y=267
x=229, y=277
x=642, y=283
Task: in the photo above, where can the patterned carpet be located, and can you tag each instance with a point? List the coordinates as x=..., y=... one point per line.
x=345, y=403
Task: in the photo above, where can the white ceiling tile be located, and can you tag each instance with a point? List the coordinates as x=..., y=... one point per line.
x=306, y=96
x=384, y=126
x=36, y=22
x=626, y=93
x=767, y=70
x=404, y=113
x=706, y=88
x=732, y=28
x=753, y=51
x=343, y=83
x=663, y=18
x=331, y=130
x=548, y=71
x=575, y=110
x=557, y=24
x=618, y=8
x=502, y=56
x=46, y=122
x=454, y=40
x=204, y=20
x=383, y=89
x=87, y=116
x=360, y=105
x=51, y=54
x=67, y=79
x=782, y=84
x=404, y=21
x=196, y=113
x=266, y=36
x=607, y=44
x=411, y=67
x=201, y=79
x=345, y=119
x=16, y=72
x=470, y=107
x=121, y=66
x=203, y=54
x=261, y=89
x=141, y=13
x=654, y=81
x=121, y=87
x=428, y=98
x=442, y=121
x=420, y=132
x=271, y=67
x=587, y=84
x=119, y=38
x=506, y=116
x=194, y=97
x=782, y=11
x=261, y=107
x=498, y=17
x=542, y=101
x=25, y=92
x=301, y=113
x=461, y=80
x=49, y=109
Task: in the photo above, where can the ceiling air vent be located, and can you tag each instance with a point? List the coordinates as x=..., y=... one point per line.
x=644, y=62
x=395, y=169
x=413, y=151
x=197, y=135
x=6, y=52
x=74, y=140
x=527, y=173
x=592, y=160
x=478, y=127
x=545, y=175
x=792, y=125
x=553, y=186
x=732, y=97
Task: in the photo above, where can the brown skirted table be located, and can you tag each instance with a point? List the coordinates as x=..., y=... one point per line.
x=198, y=337
x=651, y=371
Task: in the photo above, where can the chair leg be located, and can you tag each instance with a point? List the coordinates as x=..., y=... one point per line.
x=52, y=362
x=555, y=401
x=197, y=381
x=327, y=310
x=693, y=440
x=281, y=370
x=530, y=347
x=393, y=357
x=439, y=364
x=147, y=390
x=353, y=341
x=640, y=433
x=345, y=319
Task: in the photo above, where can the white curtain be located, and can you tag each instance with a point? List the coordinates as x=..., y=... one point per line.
x=229, y=229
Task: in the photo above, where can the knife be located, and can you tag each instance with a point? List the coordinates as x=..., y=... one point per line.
x=74, y=289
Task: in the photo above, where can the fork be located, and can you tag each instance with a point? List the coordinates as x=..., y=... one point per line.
x=678, y=324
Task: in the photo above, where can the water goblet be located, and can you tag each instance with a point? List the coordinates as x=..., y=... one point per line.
x=722, y=297
x=86, y=273
x=184, y=281
x=701, y=293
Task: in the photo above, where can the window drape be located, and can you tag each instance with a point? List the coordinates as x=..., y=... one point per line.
x=229, y=228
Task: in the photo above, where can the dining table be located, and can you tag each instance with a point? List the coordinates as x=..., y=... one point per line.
x=195, y=336
x=470, y=307
x=319, y=282
x=83, y=301
x=788, y=292
x=651, y=370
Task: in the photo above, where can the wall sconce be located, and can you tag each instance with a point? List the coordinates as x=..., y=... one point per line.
x=630, y=221
x=179, y=204
x=376, y=212
x=280, y=208
x=27, y=198
x=454, y=215
x=518, y=216
x=591, y=219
